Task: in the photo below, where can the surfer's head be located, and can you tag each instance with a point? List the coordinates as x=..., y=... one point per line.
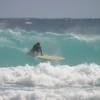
x=38, y=43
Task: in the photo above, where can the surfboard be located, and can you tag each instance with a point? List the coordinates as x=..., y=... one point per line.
x=49, y=57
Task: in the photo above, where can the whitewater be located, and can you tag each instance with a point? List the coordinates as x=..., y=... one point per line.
x=48, y=82
x=24, y=77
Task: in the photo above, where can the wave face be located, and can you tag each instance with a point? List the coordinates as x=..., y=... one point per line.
x=28, y=78
x=75, y=48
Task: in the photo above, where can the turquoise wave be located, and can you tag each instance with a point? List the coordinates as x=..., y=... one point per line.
x=75, y=48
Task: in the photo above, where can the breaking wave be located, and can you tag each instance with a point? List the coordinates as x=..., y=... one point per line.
x=46, y=81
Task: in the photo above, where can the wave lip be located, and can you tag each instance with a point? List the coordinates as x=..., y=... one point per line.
x=49, y=81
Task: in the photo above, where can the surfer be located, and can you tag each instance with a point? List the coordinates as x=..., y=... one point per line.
x=36, y=49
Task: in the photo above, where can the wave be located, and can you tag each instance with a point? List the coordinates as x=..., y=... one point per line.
x=87, y=38
x=50, y=81
x=67, y=45
x=51, y=75
x=21, y=34
x=77, y=36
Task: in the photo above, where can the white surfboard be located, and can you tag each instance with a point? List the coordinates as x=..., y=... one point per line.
x=49, y=57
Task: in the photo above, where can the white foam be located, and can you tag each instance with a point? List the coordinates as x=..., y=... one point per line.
x=82, y=37
x=49, y=82
x=87, y=38
x=56, y=34
x=28, y=22
x=15, y=32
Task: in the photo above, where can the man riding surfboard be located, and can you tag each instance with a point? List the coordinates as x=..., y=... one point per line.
x=37, y=51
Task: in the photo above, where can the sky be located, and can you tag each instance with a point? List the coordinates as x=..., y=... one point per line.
x=50, y=8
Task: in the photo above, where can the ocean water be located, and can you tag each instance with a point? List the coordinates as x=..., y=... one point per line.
x=24, y=77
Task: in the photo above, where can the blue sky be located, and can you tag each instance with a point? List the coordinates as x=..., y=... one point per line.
x=50, y=8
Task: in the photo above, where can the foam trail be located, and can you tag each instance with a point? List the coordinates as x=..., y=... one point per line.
x=46, y=81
